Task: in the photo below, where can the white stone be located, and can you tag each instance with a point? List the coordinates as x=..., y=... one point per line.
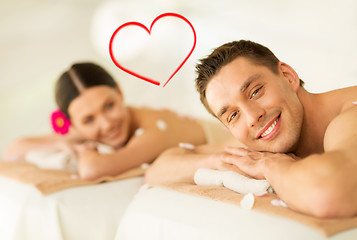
x=187, y=145
x=161, y=125
x=247, y=201
x=139, y=132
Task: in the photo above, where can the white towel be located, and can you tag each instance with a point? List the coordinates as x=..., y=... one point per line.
x=52, y=160
x=231, y=180
x=244, y=185
x=206, y=176
x=60, y=160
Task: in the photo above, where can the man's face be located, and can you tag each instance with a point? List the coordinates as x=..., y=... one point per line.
x=260, y=108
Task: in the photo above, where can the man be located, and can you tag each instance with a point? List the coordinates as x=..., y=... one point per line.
x=304, y=144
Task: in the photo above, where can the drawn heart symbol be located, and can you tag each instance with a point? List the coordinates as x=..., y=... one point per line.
x=137, y=24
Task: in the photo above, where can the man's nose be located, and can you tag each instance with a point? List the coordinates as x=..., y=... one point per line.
x=254, y=114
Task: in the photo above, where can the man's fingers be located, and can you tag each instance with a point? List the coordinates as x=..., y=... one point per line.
x=236, y=162
x=233, y=159
x=255, y=155
x=237, y=151
x=230, y=159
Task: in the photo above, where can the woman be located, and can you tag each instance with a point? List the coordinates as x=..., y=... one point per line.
x=92, y=110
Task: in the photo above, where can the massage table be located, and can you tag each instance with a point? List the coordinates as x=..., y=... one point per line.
x=125, y=210
x=40, y=203
x=89, y=212
x=166, y=214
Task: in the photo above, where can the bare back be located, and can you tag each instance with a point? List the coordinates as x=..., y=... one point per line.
x=171, y=126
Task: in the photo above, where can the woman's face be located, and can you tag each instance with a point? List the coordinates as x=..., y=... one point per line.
x=99, y=114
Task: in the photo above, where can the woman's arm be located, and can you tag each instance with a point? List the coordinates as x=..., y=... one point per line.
x=140, y=149
x=18, y=149
x=161, y=130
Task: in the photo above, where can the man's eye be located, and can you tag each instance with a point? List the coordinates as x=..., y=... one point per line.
x=231, y=117
x=256, y=92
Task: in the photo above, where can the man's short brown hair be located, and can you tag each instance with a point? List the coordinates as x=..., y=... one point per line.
x=225, y=54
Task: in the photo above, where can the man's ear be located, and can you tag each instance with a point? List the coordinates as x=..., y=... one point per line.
x=290, y=75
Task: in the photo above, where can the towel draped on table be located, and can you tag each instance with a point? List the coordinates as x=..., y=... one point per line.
x=48, y=181
x=327, y=227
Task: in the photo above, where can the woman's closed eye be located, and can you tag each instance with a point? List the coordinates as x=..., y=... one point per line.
x=109, y=105
x=88, y=120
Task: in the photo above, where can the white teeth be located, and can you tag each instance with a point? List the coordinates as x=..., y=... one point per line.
x=270, y=128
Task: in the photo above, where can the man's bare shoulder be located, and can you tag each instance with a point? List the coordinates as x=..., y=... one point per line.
x=350, y=98
x=342, y=98
x=342, y=130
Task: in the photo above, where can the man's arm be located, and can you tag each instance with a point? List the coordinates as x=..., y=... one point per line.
x=180, y=164
x=322, y=185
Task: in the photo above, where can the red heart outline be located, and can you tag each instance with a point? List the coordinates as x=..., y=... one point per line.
x=149, y=32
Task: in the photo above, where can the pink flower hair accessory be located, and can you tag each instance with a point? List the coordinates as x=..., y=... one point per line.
x=60, y=123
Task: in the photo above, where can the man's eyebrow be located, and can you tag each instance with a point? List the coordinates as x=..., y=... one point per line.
x=244, y=87
x=222, y=111
x=247, y=83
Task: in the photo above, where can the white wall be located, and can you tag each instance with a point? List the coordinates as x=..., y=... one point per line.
x=40, y=39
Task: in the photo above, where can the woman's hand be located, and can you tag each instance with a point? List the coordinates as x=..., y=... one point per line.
x=86, y=151
x=88, y=157
x=254, y=163
x=68, y=143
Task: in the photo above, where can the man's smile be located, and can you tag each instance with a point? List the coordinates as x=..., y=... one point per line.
x=269, y=131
